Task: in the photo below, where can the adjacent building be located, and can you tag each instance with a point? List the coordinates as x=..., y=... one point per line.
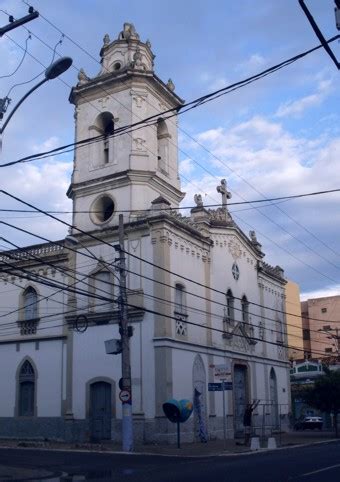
x=294, y=321
x=321, y=325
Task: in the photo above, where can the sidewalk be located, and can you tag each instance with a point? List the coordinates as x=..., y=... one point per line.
x=211, y=448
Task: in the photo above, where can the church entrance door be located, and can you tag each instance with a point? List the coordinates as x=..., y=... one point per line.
x=100, y=411
x=240, y=397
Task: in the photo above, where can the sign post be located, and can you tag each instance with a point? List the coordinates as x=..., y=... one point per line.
x=223, y=374
x=224, y=416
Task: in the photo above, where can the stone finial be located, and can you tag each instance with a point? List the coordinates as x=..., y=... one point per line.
x=106, y=39
x=170, y=85
x=148, y=44
x=128, y=33
x=254, y=240
x=198, y=200
x=253, y=237
x=82, y=77
x=137, y=60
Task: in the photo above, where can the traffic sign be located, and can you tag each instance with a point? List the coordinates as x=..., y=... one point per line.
x=219, y=387
x=125, y=396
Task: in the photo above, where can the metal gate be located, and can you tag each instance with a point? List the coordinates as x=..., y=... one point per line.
x=100, y=411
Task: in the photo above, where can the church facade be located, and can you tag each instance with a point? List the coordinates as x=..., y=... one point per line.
x=199, y=293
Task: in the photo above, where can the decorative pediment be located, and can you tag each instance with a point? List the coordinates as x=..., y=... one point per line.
x=239, y=336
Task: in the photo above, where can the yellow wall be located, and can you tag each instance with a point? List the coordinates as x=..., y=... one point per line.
x=294, y=323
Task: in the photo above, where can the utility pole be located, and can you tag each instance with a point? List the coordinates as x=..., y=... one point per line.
x=32, y=14
x=125, y=333
x=12, y=24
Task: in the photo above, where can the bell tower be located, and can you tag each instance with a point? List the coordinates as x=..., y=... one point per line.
x=127, y=171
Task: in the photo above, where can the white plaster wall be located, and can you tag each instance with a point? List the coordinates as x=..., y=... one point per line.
x=48, y=363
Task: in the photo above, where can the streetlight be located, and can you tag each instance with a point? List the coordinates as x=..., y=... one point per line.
x=54, y=70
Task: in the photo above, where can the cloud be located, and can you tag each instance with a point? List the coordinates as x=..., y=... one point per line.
x=186, y=166
x=260, y=156
x=331, y=290
x=43, y=186
x=253, y=63
x=297, y=107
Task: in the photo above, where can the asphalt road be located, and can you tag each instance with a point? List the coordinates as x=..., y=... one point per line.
x=317, y=463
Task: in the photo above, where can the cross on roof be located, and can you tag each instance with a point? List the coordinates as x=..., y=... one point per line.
x=222, y=189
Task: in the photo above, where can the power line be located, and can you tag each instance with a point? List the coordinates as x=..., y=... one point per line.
x=161, y=299
x=154, y=312
x=303, y=243
x=184, y=108
x=20, y=62
x=239, y=203
x=190, y=308
x=195, y=140
x=102, y=241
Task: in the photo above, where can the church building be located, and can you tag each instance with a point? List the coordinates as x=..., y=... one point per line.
x=199, y=294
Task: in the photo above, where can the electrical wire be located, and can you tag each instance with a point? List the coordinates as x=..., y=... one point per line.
x=195, y=140
x=188, y=106
x=213, y=329
x=164, y=284
x=269, y=71
x=303, y=243
x=103, y=241
x=239, y=203
x=190, y=308
x=20, y=63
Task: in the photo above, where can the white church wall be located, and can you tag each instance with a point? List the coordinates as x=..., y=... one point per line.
x=47, y=362
x=90, y=361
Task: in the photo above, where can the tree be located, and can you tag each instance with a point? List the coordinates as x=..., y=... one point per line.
x=325, y=394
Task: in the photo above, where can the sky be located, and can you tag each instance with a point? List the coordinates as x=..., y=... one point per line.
x=278, y=136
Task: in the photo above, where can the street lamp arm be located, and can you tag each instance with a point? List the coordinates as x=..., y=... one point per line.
x=19, y=104
x=53, y=71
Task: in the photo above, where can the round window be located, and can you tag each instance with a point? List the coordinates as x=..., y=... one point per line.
x=102, y=209
x=117, y=66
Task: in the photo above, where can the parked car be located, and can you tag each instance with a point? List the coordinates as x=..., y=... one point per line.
x=309, y=423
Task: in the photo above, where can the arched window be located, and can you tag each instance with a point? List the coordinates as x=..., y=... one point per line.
x=105, y=124
x=30, y=304
x=245, y=310
x=102, y=284
x=230, y=307
x=163, y=145
x=279, y=330
x=180, y=310
x=26, y=390
x=28, y=317
x=180, y=299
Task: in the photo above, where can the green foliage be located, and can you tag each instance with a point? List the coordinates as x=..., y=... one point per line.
x=325, y=394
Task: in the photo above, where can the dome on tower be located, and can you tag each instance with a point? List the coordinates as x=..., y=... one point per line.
x=127, y=52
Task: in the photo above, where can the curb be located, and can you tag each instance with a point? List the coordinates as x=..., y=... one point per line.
x=154, y=454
